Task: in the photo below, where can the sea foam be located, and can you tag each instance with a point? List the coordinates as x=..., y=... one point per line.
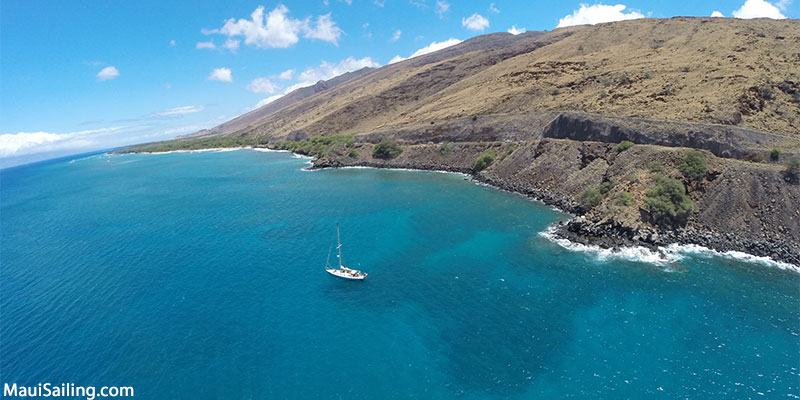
x=664, y=255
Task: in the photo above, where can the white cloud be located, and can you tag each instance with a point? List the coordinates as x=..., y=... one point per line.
x=442, y=7
x=107, y=73
x=267, y=100
x=397, y=35
x=323, y=72
x=285, y=75
x=262, y=85
x=758, y=9
x=177, y=111
x=277, y=29
x=23, y=143
x=717, y=14
x=514, y=31
x=172, y=43
x=493, y=9
x=596, y=14
x=475, y=22
x=434, y=46
x=205, y=45
x=232, y=45
x=325, y=30
x=328, y=70
x=221, y=74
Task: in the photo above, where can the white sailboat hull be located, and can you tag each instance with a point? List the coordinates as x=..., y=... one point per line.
x=347, y=273
x=343, y=272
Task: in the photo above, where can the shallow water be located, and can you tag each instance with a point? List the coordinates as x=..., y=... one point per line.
x=200, y=276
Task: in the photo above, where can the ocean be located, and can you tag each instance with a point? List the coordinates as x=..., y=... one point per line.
x=200, y=276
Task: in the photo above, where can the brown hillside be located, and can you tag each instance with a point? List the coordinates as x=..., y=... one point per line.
x=710, y=70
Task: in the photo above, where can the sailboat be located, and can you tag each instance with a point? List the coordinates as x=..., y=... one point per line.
x=342, y=271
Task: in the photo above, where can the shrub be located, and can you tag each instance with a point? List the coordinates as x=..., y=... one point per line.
x=775, y=154
x=484, y=160
x=445, y=148
x=590, y=197
x=694, y=165
x=792, y=171
x=624, y=145
x=668, y=199
x=555, y=92
x=766, y=92
x=605, y=187
x=624, y=199
x=686, y=69
x=353, y=153
x=387, y=149
x=474, y=117
x=593, y=196
x=655, y=166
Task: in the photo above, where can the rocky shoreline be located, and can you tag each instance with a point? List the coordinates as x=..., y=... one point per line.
x=604, y=234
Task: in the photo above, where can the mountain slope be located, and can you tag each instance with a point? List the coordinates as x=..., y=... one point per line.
x=241, y=122
x=709, y=70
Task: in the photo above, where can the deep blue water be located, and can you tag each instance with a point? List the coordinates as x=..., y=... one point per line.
x=200, y=276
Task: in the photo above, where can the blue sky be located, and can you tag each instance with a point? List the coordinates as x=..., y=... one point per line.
x=83, y=75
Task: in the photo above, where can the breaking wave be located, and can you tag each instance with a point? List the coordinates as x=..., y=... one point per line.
x=663, y=256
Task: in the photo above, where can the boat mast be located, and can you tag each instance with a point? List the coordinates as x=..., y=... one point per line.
x=339, y=245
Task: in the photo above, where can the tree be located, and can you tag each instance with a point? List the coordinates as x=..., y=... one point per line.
x=694, y=165
x=775, y=154
x=668, y=199
x=386, y=149
x=484, y=160
x=590, y=197
x=624, y=145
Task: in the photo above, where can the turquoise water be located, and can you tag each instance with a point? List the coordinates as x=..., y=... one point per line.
x=200, y=276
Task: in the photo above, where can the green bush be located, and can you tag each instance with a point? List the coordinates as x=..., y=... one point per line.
x=590, y=197
x=445, y=148
x=593, y=196
x=484, y=160
x=319, y=146
x=353, y=153
x=686, y=69
x=624, y=199
x=387, y=149
x=792, y=171
x=655, y=166
x=474, y=117
x=694, y=165
x=624, y=145
x=775, y=155
x=668, y=199
x=555, y=92
x=605, y=187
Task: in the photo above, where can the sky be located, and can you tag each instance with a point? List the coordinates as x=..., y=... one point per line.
x=77, y=76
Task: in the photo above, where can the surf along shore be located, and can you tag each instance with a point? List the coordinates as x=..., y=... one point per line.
x=559, y=172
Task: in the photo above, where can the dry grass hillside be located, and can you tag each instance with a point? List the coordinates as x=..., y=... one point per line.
x=710, y=70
